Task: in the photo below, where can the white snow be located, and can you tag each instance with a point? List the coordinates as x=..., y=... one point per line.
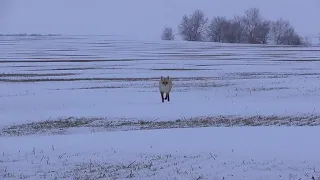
x=219, y=79
x=232, y=153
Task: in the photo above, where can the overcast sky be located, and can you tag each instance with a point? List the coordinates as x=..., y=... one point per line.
x=141, y=18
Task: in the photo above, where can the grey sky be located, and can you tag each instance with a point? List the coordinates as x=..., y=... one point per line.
x=140, y=18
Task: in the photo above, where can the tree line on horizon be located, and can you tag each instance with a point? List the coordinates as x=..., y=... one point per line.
x=250, y=28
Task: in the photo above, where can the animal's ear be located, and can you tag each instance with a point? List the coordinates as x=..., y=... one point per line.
x=161, y=77
x=168, y=77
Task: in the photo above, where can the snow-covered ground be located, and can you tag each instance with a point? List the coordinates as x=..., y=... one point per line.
x=64, y=97
x=200, y=153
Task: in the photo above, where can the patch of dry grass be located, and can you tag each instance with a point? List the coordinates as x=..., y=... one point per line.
x=76, y=79
x=257, y=89
x=102, y=165
x=48, y=125
x=296, y=60
x=183, y=54
x=256, y=75
x=49, y=60
x=100, y=87
x=126, y=79
x=180, y=69
x=35, y=74
x=74, y=69
x=61, y=125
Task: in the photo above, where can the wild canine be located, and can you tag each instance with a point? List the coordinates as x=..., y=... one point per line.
x=165, y=85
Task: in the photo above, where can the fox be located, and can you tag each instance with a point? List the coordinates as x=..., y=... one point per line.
x=165, y=86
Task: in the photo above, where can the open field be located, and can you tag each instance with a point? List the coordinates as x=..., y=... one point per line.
x=88, y=107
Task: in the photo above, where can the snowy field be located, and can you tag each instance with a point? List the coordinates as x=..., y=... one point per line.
x=88, y=107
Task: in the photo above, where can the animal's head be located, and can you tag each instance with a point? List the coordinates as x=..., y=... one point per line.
x=165, y=80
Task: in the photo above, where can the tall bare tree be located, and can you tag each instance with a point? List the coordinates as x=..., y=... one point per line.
x=192, y=28
x=217, y=29
x=262, y=32
x=235, y=30
x=295, y=39
x=279, y=29
x=238, y=29
x=230, y=32
x=307, y=41
x=167, y=34
x=250, y=28
x=252, y=20
x=283, y=33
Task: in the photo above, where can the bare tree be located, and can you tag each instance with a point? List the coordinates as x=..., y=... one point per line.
x=283, y=33
x=261, y=32
x=291, y=38
x=278, y=30
x=217, y=29
x=295, y=39
x=307, y=41
x=256, y=28
x=252, y=20
x=238, y=29
x=250, y=28
x=167, y=34
x=192, y=28
x=230, y=32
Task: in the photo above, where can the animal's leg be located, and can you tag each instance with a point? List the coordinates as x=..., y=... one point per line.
x=168, y=97
x=162, y=96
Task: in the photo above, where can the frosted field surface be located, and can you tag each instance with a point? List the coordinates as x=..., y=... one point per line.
x=200, y=153
x=98, y=76
x=88, y=107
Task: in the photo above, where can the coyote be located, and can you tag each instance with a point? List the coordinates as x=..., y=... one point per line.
x=165, y=85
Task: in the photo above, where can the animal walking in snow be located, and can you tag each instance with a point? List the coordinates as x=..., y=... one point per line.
x=165, y=86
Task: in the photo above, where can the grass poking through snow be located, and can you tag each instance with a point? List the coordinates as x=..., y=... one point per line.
x=61, y=126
